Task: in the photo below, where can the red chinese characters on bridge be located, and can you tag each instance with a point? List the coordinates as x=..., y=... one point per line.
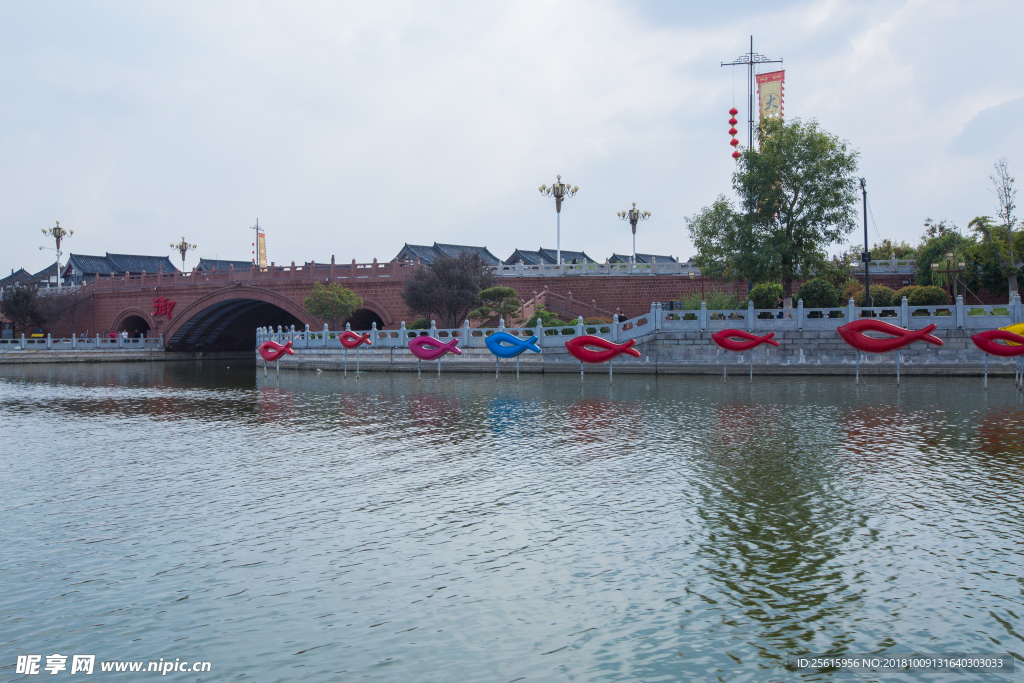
x=161, y=305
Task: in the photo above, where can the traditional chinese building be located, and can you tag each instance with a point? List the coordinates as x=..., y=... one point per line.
x=642, y=258
x=210, y=264
x=427, y=254
x=14, y=278
x=83, y=268
x=547, y=257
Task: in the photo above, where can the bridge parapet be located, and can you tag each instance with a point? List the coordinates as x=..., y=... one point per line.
x=393, y=270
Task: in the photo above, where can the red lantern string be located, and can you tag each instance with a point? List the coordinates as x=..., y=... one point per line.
x=732, y=131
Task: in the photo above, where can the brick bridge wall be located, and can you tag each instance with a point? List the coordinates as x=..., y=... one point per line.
x=113, y=299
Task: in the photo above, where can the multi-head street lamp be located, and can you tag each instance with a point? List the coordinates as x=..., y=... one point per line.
x=634, y=216
x=559, y=191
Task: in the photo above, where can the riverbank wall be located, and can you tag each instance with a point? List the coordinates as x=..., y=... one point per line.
x=680, y=353
x=57, y=356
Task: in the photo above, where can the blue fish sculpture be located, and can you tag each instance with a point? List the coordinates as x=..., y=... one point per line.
x=504, y=345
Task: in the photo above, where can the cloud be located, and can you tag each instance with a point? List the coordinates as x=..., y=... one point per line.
x=992, y=131
x=351, y=128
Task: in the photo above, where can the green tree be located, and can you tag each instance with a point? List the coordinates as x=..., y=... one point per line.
x=798, y=195
x=500, y=302
x=21, y=306
x=933, y=249
x=727, y=245
x=448, y=288
x=887, y=249
x=1002, y=239
x=938, y=228
x=836, y=270
x=331, y=304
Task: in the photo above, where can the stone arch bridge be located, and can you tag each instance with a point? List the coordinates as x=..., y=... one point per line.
x=220, y=310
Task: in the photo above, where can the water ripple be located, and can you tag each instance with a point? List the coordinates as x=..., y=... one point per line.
x=388, y=528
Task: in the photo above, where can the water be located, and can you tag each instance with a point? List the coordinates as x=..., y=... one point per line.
x=308, y=527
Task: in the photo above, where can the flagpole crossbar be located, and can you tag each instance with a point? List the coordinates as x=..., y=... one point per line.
x=749, y=60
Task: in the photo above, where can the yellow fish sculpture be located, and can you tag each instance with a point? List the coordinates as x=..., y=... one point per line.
x=1016, y=329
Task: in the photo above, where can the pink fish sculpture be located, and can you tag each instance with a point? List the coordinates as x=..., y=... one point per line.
x=428, y=348
x=271, y=351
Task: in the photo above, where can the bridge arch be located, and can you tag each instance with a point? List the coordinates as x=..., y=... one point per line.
x=371, y=310
x=226, y=320
x=133, y=319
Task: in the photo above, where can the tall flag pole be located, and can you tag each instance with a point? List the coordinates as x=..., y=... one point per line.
x=259, y=247
x=749, y=60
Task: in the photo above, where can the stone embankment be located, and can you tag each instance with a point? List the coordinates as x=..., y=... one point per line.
x=684, y=353
x=678, y=341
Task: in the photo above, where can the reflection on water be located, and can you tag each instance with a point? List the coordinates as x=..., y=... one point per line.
x=308, y=526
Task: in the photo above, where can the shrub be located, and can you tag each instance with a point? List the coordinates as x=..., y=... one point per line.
x=720, y=301
x=880, y=296
x=819, y=293
x=690, y=302
x=927, y=296
x=850, y=291
x=904, y=292
x=766, y=294
x=419, y=324
x=598, y=321
x=548, y=318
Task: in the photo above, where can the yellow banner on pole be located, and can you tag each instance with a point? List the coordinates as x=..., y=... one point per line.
x=771, y=91
x=261, y=250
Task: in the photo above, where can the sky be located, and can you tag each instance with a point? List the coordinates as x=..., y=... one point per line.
x=349, y=129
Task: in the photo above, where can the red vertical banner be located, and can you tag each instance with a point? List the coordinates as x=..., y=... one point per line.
x=771, y=91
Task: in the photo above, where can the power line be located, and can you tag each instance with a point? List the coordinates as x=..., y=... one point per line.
x=877, y=234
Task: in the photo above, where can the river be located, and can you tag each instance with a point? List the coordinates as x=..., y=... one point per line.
x=314, y=527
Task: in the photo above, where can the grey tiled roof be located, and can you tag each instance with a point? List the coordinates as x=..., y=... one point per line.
x=14, y=277
x=219, y=264
x=83, y=263
x=641, y=258
x=546, y=256
x=410, y=252
x=133, y=263
x=456, y=249
x=119, y=264
x=427, y=254
x=44, y=274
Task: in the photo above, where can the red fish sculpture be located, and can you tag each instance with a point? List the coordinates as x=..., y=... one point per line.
x=853, y=334
x=428, y=348
x=271, y=351
x=351, y=340
x=726, y=341
x=992, y=342
x=578, y=348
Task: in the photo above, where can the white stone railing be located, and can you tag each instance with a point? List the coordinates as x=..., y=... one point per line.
x=668, y=317
x=81, y=343
x=954, y=316
x=469, y=338
x=603, y=269
x=890, y=265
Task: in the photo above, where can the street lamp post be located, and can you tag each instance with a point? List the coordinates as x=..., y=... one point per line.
x=951, y=268
x=634, y=216
x=58, y=233
x=183, y=248
x=693, y=275
x=559, y=191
